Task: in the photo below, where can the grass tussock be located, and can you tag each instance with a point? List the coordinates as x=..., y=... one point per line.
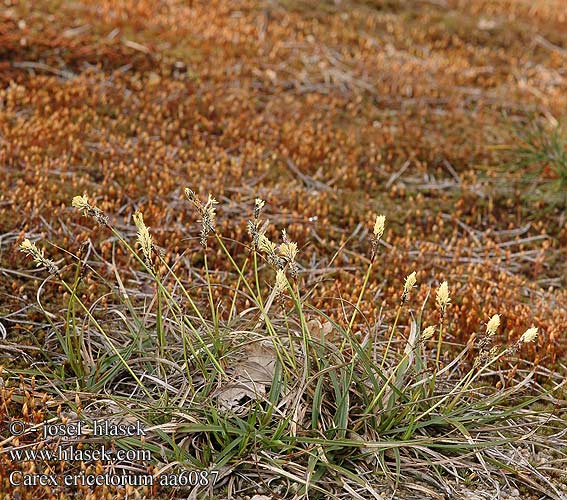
x=244, y=377
x=539, y=153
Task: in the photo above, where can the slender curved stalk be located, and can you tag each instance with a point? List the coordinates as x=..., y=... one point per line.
x=361, y=294
x=391, y=335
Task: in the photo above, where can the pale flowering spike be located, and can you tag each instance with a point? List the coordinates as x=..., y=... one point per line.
x=409, y=284
x=428, y=333
x=281, y=282
x=379, y=226
x=288, y=251
x=256, y=231
x=211, y=200
x=377, y=234
x=269, y=248
x=493, y=324
x=258, y=206
x=265, y=245
x=443, y=299
x=252, y=228
x=255, y=226
x=190, y=194
x=144, y=238
x=81, y=202
x=529, y=335
x=207, y=213
x=30, y=248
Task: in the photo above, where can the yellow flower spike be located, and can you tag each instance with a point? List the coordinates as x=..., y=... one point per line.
x=207, y=213
x=288, y=251
x=529, y=335
x=377, y=233
x=265, y=245
x=281, y=282
x=81, y=202
x=30, y=248
x=379, y=227
x=410, y=282
x=443, y=299
x=144, y=238
x=493, y=325
x=258, y=206
x=428, y=333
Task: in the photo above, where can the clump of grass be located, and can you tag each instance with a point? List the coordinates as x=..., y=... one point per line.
x=539, y=154
x=264, y=387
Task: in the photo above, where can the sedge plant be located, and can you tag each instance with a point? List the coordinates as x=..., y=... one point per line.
x=250, y=380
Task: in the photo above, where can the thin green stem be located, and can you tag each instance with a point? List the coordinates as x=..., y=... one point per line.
x=73, y=338
x=214, y=314
x=360, y=295
x=232, y=311
x=437, y=357
x=159, y=322
x=439, y=344
x=391, y=335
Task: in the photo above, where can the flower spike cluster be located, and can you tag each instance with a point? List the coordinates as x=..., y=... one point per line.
x=486, y=340
x=281, y=283
x=144, y=239
x=529, y=335
x=377, y=233
x=38, y=256
x=207, y=213
x=427, y=333
x=82, y=204
x=443, y=299
x=269, y=248
x=257, y=229
x=492, y=325
x=258, y=206
x=410, y=282
x=288, y=252
x=280, y=257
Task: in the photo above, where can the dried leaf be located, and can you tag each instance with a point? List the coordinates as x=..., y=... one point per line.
x=320, y=330
x=258, y=367
x=231, y=397
x=251, y=376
